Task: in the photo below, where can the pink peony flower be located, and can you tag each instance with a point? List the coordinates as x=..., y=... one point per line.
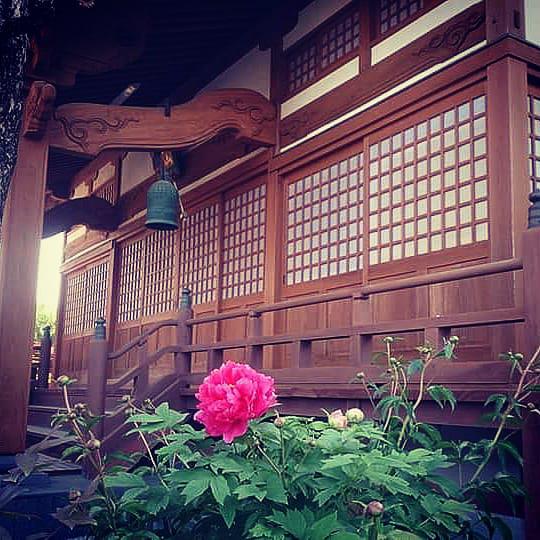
x=230, y=397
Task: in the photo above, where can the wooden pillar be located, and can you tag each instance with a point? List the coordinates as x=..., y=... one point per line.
x=273, y=271
x=505, y=17
x=97, y=374
x=21, y=236
x=531, y=428
x=509, y=184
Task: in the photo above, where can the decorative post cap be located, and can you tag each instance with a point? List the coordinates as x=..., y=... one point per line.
x=100, y=331
x=534, y=209
x=47, y=331
x=185, y=298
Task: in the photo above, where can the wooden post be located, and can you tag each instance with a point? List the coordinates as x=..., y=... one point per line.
x=435, y=336
x=301, y=354
x=182, y=360
x=97, y=374
x=143, y=378
x=21, y=236
x=254, y=353
x=44, y=358
x=504, y=17
x=361, y=346
x=531, y=428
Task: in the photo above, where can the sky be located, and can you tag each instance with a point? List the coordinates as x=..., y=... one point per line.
x=50, y=259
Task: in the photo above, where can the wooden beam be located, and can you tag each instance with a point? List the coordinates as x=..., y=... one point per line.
x=90, y=128
x=19, y=254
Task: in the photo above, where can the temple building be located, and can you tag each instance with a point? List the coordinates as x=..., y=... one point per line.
x=346, y=170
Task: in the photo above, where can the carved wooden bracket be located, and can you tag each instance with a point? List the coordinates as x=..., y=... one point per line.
x=38, y=109
x=91, y=211
x=90, y=128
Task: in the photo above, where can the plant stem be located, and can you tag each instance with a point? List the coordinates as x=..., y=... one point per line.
x=509, y=408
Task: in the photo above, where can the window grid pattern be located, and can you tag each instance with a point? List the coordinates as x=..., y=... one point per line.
x=129, y=287
x=86, y=297
x=428, y=185
x=394, y=12
x=325, y=222
x=199, y=254
x=244, y=220
x=159, y=289
x=106, y=192
x=340, y=39
x=534, y=141
x=334, y=42
x=302, y=67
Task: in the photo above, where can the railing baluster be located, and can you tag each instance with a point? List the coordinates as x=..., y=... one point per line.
x=143, y=378
x=215, y=359
x=361, y=345
x=97, y=374
x=301, y=354
x=184, y=334
x=254, y=353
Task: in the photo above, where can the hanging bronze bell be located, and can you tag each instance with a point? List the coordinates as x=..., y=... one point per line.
x=162, y=206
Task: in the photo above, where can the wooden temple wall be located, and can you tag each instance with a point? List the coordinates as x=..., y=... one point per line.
x=414, y=161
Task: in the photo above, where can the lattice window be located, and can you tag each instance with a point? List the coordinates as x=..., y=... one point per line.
x=394, y=12
x=107, y=192
x=198, y=252
x=324, y=222
x=244, y=222
x=160, y=249
x=428, y=185
x=333, y=43
x=340, y=39
x=302, y=67
x=131, y=273
x=86, y=298
x=534, y=141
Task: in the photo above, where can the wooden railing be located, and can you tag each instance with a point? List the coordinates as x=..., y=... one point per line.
x=361, y=333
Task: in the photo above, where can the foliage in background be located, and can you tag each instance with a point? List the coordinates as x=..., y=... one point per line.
x=387, y=477
x=44, y=317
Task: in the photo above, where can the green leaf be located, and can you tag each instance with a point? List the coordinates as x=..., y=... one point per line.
x=293, y=522
x=510, y=449
x=250, y=490
x=228, y=511
x=275, y=490
x=323, y=528
x=124, y=480
x=339, y=461
x=220, y=488
x=441, y=395
x=195, y=488
x=415, y=367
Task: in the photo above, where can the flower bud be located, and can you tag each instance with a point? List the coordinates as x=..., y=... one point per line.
x=388, y=339
x=361, y=375
x=453, y=339
x=62, y=380
x=93, y=444
x=337, y=420
x=375, y=508
x=355, y=415
x=518, y=356
x=125, y=398
x=74, y=495
x=279, y=422
x=79, y=408
x=530, y=406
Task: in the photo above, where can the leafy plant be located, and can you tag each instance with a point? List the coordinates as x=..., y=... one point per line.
x=343, y=478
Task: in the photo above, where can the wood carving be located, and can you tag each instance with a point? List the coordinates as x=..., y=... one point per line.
x=90, y=128
x=38, y=108
x=454, y=37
